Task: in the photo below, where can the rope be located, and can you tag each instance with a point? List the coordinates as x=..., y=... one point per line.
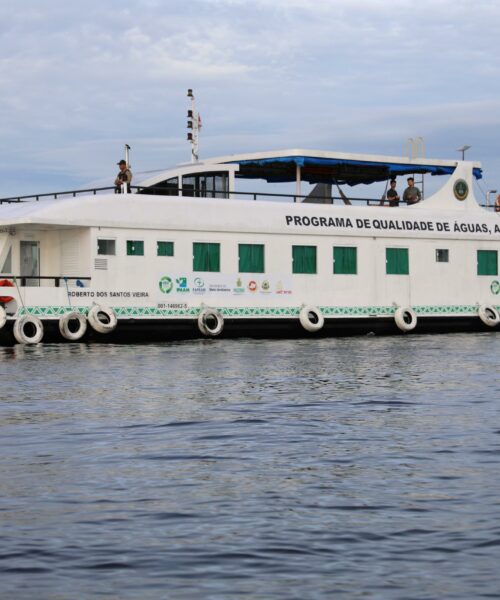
x=19, y=292
x=67, y=290
x=382, y=200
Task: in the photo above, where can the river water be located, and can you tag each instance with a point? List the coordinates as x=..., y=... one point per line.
x=333, y=468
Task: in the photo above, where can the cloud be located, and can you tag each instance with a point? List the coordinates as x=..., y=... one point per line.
x=343, y=74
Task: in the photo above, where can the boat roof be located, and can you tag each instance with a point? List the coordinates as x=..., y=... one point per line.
x=318, y=166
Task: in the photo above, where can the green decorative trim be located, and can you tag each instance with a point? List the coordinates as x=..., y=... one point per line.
x=289, y=311
x=51, y=311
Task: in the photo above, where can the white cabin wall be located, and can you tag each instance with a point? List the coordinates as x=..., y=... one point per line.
x=74, y=251
x=429, y=282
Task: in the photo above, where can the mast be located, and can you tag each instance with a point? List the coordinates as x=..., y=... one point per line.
x=194, y=126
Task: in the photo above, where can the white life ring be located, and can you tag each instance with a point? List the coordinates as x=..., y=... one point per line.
x=67, y=326
x=311, y=318
x=102, y=319
x=28, y=330
x=210, y=322
x=405, y=318
x=3, y=317
x=489, y=315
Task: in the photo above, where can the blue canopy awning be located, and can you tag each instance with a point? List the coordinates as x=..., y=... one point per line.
x=335, y=170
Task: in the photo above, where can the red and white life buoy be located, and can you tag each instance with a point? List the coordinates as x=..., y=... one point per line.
x=6, y=283
x=497, y=204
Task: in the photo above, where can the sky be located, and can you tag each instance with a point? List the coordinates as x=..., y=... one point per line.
x=79, y=80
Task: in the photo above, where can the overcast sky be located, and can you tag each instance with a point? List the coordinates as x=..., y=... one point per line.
x=78, y=80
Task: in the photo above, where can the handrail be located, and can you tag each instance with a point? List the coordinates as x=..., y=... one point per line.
x=56, y=278
x=159, y=191
x=16, y=199
x=180, y=191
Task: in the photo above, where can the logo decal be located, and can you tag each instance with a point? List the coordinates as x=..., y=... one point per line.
x=495, y=287
x=166, y=285
x=461, y=189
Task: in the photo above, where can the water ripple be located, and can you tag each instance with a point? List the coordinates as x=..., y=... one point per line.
x=318, y=468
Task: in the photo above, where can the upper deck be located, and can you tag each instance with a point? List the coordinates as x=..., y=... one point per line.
x=334, y=176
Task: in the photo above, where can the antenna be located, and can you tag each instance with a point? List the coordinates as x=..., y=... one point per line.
x=194, y=126
x=463, y=150
x=127, y=148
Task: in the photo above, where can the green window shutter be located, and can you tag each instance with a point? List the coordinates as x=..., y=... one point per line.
x=135, y=248
x=487, y=262
x=164, y=248
x=304, y=259
x=206, y=257
x=396, y=261
x=251, y=258
x=345, y=260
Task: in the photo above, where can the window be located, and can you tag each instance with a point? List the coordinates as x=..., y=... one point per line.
x=106, y=247
x=211, y=185
x=206, y=257
x=7, y=265
x=345, y=260
x=164, y=248
x=396, y=261
x=251, y=258
x=442, y=255
x=304, y=259
x=487, y=262
x=135, y=248
x=168, y=187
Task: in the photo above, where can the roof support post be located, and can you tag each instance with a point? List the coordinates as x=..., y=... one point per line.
x=297, y=183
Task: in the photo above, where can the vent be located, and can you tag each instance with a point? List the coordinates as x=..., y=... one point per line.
x=101, y=264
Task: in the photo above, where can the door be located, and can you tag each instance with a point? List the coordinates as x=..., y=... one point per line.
x=30, y=262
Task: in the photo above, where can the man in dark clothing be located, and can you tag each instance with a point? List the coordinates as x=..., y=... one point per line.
x=392, y=194
x=124, y=176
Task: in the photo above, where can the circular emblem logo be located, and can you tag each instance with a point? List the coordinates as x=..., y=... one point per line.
x=265, y=285
x=252, y=286
x=495, y=287
x=461, y=189
x=166, y=285
x=198, y=282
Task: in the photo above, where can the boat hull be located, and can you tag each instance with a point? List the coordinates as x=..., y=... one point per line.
x=160, y=330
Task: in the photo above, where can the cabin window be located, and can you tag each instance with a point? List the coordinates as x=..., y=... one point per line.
x=304, y=259
x=487, y=262
x=345, y=260
x=442, y=255
x=167, y=187
x=164, y=248
x=135, y=248
x=106, y=247
x=206, y=257
x=251, y=258
x=396, y=261
x=7, y=265
x=206, y=185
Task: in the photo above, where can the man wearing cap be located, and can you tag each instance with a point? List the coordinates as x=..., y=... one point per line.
x=412, y=194
x=124, y=176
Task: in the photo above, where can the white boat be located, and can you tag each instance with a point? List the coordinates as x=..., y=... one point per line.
x=185, y=254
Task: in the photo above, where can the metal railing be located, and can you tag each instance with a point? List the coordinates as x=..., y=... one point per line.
x=182, y=191
x=22, y=279
x=55, y=195
x=170, y=191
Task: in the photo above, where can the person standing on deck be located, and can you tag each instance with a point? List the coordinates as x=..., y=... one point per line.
x=392, y=194
x=412, y=194
x=124, y=176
